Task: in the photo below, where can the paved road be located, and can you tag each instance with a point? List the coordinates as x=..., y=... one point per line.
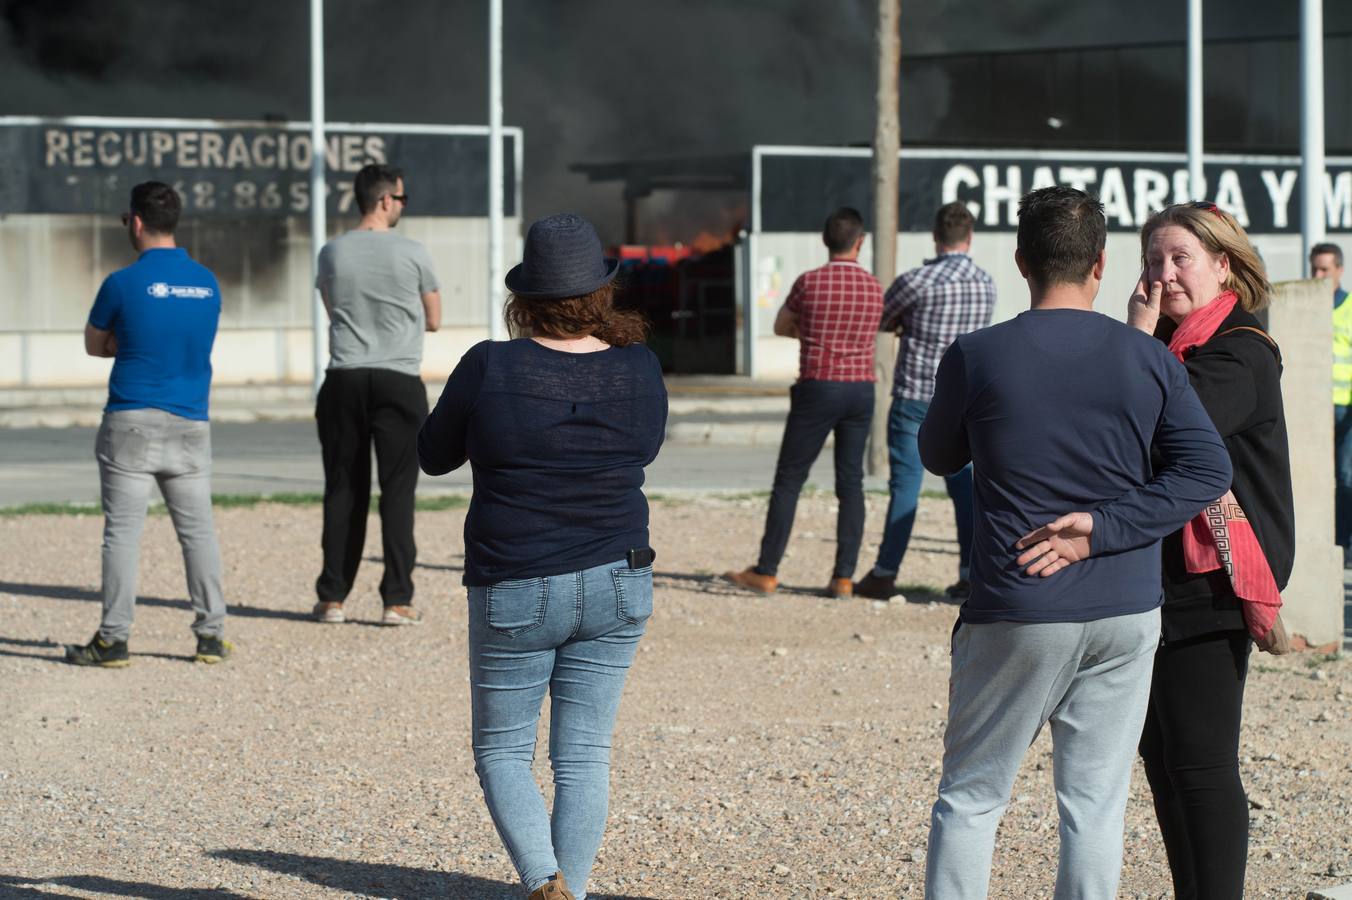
x=57, y=465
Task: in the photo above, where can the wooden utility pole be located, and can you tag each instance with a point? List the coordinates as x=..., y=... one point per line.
x=886, y=146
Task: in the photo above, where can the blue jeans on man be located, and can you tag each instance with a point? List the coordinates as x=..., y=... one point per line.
x=1342, y=478
x=905, y=477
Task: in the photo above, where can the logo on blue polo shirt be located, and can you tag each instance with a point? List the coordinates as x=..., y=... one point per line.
x=186, y=292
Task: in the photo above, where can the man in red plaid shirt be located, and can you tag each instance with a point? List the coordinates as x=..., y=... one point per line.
x=834, y=312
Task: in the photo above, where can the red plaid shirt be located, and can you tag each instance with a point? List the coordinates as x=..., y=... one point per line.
x=839, y=307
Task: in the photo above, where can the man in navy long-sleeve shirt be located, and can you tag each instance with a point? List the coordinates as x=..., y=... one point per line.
x=1058, y=409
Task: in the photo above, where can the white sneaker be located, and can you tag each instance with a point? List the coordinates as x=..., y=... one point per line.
x=329, y=612
x=401, y=615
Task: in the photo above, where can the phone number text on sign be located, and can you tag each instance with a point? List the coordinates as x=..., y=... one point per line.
x=248, y=196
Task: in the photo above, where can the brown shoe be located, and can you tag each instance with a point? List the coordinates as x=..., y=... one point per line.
x=840, y=589
x=553, y=889
x=753, y=581
x=875, y=587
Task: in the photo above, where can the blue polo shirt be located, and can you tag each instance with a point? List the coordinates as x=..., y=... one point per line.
x=163, y=309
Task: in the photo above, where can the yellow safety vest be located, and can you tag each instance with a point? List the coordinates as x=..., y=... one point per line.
x=1342, y=353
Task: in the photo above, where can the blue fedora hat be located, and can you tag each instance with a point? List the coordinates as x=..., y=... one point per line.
x=562, y=258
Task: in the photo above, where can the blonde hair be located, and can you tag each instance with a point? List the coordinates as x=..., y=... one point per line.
x=1220, y=234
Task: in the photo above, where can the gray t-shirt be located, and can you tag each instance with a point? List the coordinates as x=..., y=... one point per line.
x=375, y=281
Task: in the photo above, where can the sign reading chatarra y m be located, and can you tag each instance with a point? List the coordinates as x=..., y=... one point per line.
x=799, y=188
x=237, y=170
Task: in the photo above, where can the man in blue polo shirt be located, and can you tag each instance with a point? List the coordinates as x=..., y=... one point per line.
x=1059, y=408
x=157, y=320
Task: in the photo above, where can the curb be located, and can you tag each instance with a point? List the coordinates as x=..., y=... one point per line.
x=697, y=420
x=695, y=433
x=1337, y=892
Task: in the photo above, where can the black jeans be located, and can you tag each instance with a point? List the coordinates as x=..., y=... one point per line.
x=1190, y=747
x=816, y=408
x=358, y=407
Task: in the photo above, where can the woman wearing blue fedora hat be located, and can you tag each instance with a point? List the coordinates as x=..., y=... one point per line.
x=557, y=425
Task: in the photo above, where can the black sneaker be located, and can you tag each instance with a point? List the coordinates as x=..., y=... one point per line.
x=212, y=649
x=959, y=590
x=876, y=587
x=98, y=652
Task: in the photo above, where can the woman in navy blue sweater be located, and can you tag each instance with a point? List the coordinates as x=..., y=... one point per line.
x=557, y=426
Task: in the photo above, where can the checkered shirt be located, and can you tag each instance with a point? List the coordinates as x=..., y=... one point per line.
x=838, y=307
x=946, y=297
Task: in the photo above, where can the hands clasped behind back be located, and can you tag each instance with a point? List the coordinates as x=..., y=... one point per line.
x=1049, y=549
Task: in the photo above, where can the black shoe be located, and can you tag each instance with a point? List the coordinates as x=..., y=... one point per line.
x=875, y=587
x=959, y=590
x=98, y=652
x=212, y=649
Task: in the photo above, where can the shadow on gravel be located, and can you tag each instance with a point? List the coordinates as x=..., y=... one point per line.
x=702, y=581
x=45, y=657
x=434, y=567
x=383, y=879
x=65, y=592
x=716, y=584
x=60, y=658
x=13, y=886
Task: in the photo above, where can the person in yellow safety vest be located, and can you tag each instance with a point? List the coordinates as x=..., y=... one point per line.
x=1326, y=261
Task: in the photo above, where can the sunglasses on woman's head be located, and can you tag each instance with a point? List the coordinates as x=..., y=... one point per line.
x=1209, y=207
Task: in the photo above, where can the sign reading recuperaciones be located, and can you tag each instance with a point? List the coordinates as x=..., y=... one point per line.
x=243, y=171
x=798, y=189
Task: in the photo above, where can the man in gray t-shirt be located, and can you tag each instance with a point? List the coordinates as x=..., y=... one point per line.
x=375, y=285
x=381, y=295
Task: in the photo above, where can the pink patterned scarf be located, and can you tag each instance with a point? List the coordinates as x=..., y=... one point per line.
x=1221, y=536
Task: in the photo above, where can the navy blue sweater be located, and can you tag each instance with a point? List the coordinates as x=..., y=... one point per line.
x=557, y=442
x=1057, y=411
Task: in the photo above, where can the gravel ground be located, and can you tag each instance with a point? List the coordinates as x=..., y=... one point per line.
x=765, y=745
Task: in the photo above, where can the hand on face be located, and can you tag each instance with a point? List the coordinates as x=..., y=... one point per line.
x=1191, y=275
x=1143, y=307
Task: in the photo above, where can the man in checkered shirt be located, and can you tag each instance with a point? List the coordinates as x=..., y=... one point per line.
x=834, y=312
x=930, y=306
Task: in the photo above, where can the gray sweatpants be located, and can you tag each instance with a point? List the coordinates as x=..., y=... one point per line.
x=136, y=448
x=1091, y=680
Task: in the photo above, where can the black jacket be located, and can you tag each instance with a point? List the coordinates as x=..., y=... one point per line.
x=1237, y=376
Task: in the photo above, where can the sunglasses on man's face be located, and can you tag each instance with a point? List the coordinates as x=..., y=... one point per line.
x=126, y=218
x=402, y=198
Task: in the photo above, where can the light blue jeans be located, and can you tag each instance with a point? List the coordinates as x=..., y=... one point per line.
x=904, y=480
x=574, y=635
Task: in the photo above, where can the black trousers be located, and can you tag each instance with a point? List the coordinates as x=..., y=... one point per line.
x=1190, y=747
x=358, y=408
x=816, y=408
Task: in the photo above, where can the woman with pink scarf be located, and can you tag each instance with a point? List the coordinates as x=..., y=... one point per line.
x=1201, y=285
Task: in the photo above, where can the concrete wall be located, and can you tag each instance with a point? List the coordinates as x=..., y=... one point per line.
x=1301, y=323
x=782, y=257
x=51, y=267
